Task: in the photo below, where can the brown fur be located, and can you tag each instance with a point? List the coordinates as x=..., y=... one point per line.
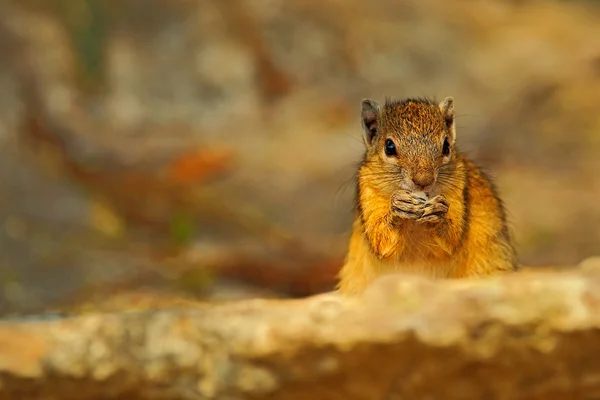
x=467, y=237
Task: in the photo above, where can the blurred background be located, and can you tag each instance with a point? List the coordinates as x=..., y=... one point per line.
x=159, y=151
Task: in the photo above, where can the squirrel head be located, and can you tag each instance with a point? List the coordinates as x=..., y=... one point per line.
x=408, y=142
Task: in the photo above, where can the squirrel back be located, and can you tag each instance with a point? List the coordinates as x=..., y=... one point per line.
x=422, y=207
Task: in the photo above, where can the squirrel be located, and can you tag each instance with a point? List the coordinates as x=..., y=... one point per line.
x=421, y=205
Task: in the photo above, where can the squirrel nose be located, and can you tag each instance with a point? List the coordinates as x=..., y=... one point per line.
x=423, y=179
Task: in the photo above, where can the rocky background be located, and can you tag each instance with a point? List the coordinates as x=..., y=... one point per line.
x=155, y=150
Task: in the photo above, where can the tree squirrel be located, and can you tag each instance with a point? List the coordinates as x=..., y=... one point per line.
x=421, y=206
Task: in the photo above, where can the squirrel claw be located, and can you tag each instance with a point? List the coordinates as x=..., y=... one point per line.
x=434, y=210
x=431, y=218
x=406, y=197
x=406, y=205
x=407, y=215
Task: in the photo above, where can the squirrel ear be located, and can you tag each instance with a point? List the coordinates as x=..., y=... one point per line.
x=447, y=108
x=370, y=118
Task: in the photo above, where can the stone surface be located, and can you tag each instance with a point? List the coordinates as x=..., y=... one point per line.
x=524, y=336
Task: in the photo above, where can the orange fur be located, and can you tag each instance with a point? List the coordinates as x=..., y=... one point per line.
x=470, y=239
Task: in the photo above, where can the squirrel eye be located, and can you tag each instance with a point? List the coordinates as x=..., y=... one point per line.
x=446, y=148
x=390, y=148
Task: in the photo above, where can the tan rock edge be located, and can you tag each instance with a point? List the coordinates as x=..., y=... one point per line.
x=524, y=336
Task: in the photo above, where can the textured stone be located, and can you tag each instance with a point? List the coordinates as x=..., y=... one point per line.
x=527, y=335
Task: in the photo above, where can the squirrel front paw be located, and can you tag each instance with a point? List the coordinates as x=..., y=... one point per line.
x=407, y=205
x=434, y=210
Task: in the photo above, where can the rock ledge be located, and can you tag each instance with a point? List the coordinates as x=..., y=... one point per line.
x=528, y=335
